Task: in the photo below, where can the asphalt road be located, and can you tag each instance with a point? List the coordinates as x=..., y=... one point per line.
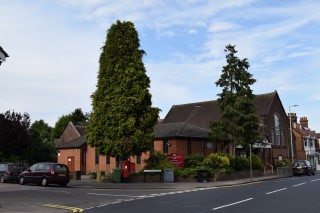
x=292, y=194
x=298, y=194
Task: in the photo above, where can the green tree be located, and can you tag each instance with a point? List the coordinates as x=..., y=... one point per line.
x=157, y=160
x=41, y=148
x=60, y=126
x=238, y=122
x=77, y=117
x=40, y=134
x=122, y=120
x=42, y=129
x=14, y=132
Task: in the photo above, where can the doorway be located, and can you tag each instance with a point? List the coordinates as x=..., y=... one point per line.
x=71, y=163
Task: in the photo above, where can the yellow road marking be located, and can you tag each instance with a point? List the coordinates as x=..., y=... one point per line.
x=73, y=209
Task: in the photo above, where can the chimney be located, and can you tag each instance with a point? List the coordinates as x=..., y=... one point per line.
x=304, y=122
x=294, y=117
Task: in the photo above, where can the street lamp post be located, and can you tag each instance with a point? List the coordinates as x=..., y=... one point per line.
x=291, y=132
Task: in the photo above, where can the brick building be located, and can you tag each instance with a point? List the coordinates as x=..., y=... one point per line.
x=306, y=140
x=185, y=131
x=74, y=151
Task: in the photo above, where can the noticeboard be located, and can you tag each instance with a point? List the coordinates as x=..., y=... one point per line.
x=176, y=159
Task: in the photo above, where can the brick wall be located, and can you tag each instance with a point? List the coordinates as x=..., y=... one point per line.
x=300, y=152
x=103, y=166
x=65, y=154
x=181, y=146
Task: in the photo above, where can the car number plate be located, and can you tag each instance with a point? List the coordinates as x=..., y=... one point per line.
x=62, y=175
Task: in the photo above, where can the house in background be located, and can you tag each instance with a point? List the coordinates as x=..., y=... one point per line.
x=306, y=140
x=185, y=130
x=74, y=151
x=318, y=143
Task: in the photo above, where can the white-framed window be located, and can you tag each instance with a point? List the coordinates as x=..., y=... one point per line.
x=305, y=140
x=311, y=142
x=277, y=128
x=272, y=136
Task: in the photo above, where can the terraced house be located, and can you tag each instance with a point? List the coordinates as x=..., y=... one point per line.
x=306, y=140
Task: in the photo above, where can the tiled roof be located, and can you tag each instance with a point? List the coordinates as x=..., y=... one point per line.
x=194, y=119
x=180, y=129
x=81, y=129
x=306, y=132
x=76, y=143
x=186, y=120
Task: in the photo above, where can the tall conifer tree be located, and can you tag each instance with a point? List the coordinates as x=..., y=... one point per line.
x=238, y=122
x=122, y=120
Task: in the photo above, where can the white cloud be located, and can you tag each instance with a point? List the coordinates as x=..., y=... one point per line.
x=54, y=48
x=218, y=26
x=192, y=31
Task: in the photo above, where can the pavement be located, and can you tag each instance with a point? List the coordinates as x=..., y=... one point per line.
x=86, y=182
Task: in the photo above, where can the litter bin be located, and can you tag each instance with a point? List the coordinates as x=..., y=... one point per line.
x=116, y=175
x=202, y=175
x=168, y=175
x=76, y=175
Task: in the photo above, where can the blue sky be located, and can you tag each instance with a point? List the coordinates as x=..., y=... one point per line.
x=54, y=47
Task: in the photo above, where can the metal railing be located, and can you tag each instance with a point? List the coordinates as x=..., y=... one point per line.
x=284, y=171
x=266, y=168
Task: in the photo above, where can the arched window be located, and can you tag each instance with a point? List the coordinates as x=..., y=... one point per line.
x=277, y=128
x=272, y=136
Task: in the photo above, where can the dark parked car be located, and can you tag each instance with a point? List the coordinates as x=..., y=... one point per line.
x=46, y=173
x=9, y=172
x=303, y=167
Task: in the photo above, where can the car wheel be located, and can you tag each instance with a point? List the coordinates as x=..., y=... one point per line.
x=44, y=182
x=309, y=173
x=2, y=179
x=21, y=180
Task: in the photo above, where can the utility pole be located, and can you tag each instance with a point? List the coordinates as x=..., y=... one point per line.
x=291, y=143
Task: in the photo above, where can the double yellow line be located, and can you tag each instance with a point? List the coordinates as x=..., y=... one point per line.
x=73, y=209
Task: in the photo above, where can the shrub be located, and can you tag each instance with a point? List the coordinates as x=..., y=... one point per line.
x=157, y=160
x=216, y=162
x=186, y=172
x=256, y=163
x=239, y=163
x=193, y=161
x=281, y=163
